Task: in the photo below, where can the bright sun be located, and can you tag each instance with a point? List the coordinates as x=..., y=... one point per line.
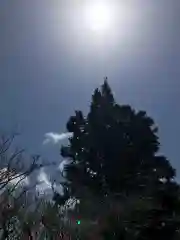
x=98, y=16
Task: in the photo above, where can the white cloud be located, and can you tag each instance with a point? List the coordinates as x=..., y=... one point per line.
x=44, y=185
x=43, y=182
x=56, y=137
x=62, y=164
x=43, y=178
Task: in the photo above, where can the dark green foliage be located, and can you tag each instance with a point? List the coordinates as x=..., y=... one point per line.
x=114, y=148
x=114, y=151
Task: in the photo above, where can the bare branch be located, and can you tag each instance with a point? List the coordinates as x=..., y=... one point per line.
x=14, y=156
x=6, y=143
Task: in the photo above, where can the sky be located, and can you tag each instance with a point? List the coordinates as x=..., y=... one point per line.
x=51, y=61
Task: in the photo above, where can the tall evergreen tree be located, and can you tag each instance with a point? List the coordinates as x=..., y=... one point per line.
x=114, y=149
x=113, y=153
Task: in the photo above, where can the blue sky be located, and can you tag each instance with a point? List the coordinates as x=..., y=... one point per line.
x=50, y=64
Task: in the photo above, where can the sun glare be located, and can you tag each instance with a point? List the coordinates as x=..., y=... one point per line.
x=98, y=16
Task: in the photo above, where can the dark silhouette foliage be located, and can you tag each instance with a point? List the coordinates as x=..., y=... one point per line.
x=114, y=151
x=114, y=148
